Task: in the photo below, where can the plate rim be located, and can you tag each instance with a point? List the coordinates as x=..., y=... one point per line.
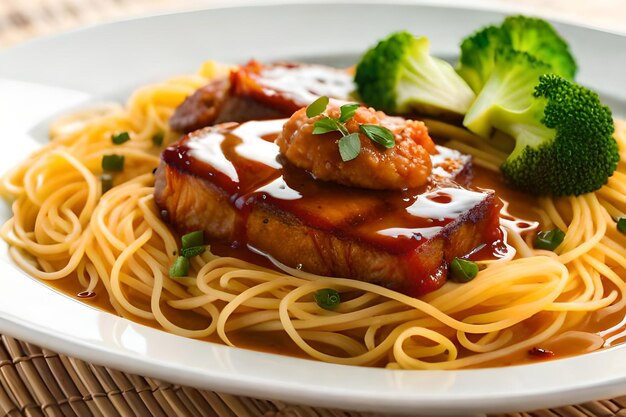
x=400, y=403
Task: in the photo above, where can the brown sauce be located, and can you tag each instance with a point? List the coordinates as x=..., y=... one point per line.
x=364, y=215
x=253, y=176
x=279, y=343
x=244, y=163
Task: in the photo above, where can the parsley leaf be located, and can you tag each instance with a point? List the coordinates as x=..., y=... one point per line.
x=350, y=143
x=317, y=107
x=379, y=134
x=349, y=146
x=325, y=125
x=347, y=111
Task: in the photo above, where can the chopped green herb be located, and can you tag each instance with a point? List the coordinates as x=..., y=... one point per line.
x=192, y=251
x=317, y=107
x=621, y=225
x=120, y=138
x=193, y=239
x=113, y=162
x=549, y=240
x=349, y=146
x=326, y=125
x=157, y=138
x=379, y=134
x=180, y=268
x=106, y=182
x=462, y=270
x=350, y=143
x=347, y=111
x=327, y=298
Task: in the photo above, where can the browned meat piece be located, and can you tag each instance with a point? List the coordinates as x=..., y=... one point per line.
x=260, y=92
x=201, y=108
x=231, y=183
x=406, y=165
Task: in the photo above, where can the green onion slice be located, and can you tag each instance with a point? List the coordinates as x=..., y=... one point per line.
x=327, y=298
x=113, y=162
x=193, y=239
x=180, y=268
x=157, y=138
x=106, y=182
x=462, y=270
x=120, y=138
x=192, y=251
x=549, y=240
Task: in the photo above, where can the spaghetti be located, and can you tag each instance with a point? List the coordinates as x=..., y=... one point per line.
x=65, y=228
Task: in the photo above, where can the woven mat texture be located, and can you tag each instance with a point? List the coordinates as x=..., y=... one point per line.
x=37, y=382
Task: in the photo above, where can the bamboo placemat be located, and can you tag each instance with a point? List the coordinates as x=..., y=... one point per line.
x=37, y=382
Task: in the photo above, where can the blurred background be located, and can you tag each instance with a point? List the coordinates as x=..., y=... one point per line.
x=24, y=19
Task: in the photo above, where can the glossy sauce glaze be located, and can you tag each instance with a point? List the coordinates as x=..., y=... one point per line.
x=259, y=91
x=247, y=165
x=301, y=84
x=519, y=209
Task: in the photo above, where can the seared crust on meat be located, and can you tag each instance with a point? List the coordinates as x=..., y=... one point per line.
x=343, y=243
x=293, y=243
x=195, y=204
x=202, y=108
x=258, y=92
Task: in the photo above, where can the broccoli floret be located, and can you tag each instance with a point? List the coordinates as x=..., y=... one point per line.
x=534, y=36
x=477, y=56
x=399, y=76
x=578, y=155
x=563, y=134
x=541, y=40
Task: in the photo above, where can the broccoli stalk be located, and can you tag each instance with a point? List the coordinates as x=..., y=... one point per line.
x=508, y=85
x=399, y=76
x=534, y=36
x=563, y=133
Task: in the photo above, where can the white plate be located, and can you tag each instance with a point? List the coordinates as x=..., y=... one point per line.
x=41, y=78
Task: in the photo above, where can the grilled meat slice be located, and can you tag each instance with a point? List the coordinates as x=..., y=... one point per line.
x=232, y=183
x=260, y=92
